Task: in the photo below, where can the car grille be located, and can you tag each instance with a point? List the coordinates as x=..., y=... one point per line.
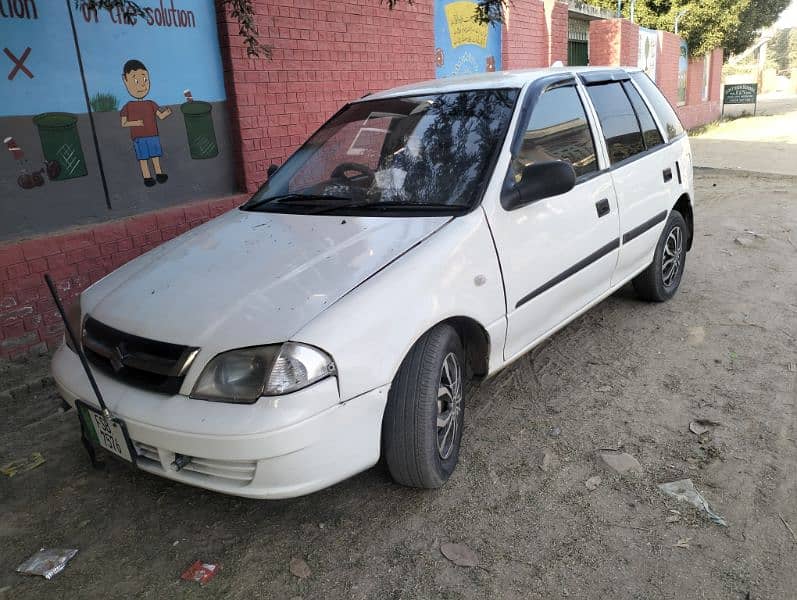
x=226, y=472
x=140, y=362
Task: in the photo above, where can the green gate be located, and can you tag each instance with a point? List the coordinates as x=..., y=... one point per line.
x=577, y=42
x=577, y=53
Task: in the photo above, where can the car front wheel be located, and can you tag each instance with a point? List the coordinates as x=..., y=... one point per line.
x=661, y=279
x=422, y=427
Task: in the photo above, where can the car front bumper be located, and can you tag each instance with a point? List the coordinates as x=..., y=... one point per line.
x=278, y=447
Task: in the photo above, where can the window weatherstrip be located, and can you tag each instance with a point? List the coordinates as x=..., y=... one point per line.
x=580, y=265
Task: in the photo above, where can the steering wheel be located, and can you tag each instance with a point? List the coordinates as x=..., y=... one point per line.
x=339, y=172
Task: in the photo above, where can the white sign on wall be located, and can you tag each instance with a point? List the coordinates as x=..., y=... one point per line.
x=648, y=51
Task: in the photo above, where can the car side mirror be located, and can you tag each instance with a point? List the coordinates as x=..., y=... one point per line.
x=272, y=168
x=538, y=181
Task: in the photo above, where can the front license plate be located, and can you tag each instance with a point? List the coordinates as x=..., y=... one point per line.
x=111, y=435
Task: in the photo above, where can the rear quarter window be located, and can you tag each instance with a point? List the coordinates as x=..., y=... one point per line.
x=663, y=109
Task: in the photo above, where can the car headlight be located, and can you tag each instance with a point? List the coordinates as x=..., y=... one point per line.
x=73, y=318
x=246, y=374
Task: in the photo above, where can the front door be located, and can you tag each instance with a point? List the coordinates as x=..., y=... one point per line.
x=557, y=254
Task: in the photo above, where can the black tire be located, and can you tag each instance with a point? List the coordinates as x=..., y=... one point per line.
x=410, y=431
x=658, y=283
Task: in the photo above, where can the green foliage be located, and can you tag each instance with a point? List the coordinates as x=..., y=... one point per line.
x=104, y=102
x=778, y=50
x=707, y=24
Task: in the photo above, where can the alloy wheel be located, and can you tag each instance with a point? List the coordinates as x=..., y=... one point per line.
x=672, y=257
x=449, y=405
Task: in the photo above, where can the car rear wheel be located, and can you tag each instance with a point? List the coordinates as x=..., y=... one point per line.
x=661, y=279
x=422, y=427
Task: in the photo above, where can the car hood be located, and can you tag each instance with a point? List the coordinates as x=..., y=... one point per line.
x=249, y=278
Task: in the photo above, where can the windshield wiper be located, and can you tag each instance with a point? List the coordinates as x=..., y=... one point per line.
x=390, y=205
x=289, y=198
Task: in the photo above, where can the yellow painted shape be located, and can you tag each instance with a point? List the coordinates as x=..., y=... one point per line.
x=462, y=28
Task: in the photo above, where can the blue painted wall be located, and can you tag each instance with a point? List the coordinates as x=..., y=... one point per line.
x=177, y=57
x=461, y=45
x=57, y=170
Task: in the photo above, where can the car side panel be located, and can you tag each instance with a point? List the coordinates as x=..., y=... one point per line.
x=453, y=273
x=645, y=199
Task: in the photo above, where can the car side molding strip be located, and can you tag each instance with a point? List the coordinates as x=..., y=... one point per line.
x=582, y=264
x=640, y=229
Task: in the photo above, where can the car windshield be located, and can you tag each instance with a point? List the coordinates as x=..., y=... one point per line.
x=418, y=153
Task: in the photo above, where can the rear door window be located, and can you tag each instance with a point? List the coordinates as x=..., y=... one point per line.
x=661, y=106
x=557, y=130
x=618, y=121
x=650, y=133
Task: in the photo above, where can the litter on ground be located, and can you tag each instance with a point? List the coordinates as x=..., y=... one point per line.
x=47, y=562
x=685, y=491
x=200, y=572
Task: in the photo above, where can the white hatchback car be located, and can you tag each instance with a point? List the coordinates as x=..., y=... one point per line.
x=423, y=235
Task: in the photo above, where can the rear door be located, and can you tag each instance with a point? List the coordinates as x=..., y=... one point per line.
x=557, y=254
x=644, y=175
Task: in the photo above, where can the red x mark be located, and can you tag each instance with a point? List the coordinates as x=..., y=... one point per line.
x=18, y=63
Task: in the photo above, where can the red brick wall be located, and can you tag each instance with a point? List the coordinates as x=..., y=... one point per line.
x=717, y=57
x=558, y=33
x=604, y=42
x=75, y=259
x=696, y=111
x=324, y=54
x=629, y=43
x=525, y=36
x=694, y=81
x=667, y=65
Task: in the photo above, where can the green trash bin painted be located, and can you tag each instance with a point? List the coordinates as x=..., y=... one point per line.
x=199, y=128
x=61, y=142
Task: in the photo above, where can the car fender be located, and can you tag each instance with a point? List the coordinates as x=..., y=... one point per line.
x=453, y=273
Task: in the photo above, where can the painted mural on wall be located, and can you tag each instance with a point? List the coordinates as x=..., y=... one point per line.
x=648, y=51
x=683, y=68
x=462, y=45
x=106, y=114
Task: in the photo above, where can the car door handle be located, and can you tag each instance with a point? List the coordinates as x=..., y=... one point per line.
x=667, y=174
x=602, y=207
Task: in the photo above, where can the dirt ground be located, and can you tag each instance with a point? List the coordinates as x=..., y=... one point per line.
x=626, y=375
x=765, y=143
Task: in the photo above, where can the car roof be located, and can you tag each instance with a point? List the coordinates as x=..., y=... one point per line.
x=485, y=81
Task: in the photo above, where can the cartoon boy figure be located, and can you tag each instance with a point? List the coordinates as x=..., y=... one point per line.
x=139, y=116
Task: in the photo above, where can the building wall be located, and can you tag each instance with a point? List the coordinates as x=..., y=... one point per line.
x=65, y=165
x=667, y=66
x=557, y=33
x=525, y=41
x=697, y=112
x=605, y=42
x=629, y=43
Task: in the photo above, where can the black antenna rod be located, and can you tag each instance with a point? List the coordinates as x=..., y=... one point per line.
x=78, y=349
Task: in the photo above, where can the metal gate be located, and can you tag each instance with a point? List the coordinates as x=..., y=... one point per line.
x=577, y=53
x=577, y=42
